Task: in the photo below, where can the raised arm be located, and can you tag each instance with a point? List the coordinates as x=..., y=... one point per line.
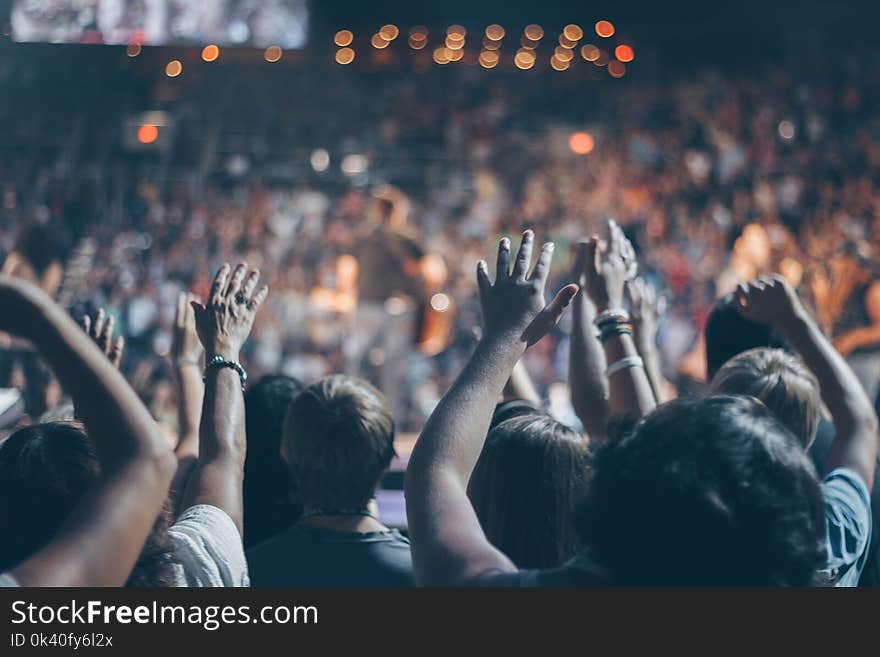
x=771, y=300
x=586, y=360
x=645, y=310
x=102, y=538
x=186, y=361
x=223, y=325
x=448, y=544
x=608, y=267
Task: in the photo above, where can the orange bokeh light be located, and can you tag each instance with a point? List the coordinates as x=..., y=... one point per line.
x=210, y=53
x=604, y=29
x=624, y=53
x=581, y=143
x=616, y=69
x=147, y=134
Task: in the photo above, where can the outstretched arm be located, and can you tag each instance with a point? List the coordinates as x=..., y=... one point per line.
x=586, y=360
x=448, y=544
x=102, y=538
x=223, y=326
x=771, y=300
x=608, y=267
x=186, y=357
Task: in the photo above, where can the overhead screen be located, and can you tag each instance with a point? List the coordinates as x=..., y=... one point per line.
x=255, y=23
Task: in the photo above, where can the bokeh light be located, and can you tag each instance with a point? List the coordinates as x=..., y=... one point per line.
x=534, y=32
x=581, y=143
x=573, y=32
x=616, y=69
x=147, y=133
x=590, y=52
x=133, y=50
x=210, y=53
x=495, y=32
x=344, y=56
x=378, y=41
x=173, y=68
x=272, y=54
x=604, y=29
x=343, y=38
x=389, y=32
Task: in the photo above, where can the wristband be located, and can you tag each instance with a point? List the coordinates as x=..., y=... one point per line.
x=624, y=363
x=219, y=361
x=611, y=316
x=614, y=331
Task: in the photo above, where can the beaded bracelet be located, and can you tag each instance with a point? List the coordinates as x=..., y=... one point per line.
x=614, y=331
x=219, y=361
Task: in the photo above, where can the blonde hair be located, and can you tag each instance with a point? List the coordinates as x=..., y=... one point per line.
x=781, y=381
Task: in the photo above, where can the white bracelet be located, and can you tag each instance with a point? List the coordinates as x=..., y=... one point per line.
x=611, y=315
x=624, y=363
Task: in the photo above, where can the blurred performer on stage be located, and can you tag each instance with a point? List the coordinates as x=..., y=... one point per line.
x=848, y=302
x=395, y=279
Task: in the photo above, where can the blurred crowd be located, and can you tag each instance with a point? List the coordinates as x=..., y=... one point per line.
x=714, y=180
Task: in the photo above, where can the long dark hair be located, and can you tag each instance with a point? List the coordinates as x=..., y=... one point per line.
x=529, y=478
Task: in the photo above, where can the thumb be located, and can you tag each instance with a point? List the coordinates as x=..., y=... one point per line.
x=550, y=316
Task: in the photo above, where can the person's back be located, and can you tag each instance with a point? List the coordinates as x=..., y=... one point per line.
x=338, y=441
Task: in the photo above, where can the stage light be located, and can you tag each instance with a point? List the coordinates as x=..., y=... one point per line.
x=389, y=32
x=495, y=32
x=441, y=55
x=488, y=44
x=419, y=32
x=488, y=59
x=581, y=143
x=210, y=53
x=602, y=59
x=343, y=38
x=415, y=44
x=320, y=160
x=173, y=68
x=563, y=54
x=557, y=64
x=604, y=29
x=133, y=50
x=567, y=43
x=590, y=52
x=534, y=32
x=354, y=164
x=527, y=43
x=456, y=31
x=147, y=133
x=786, y=130
x=453, y=44
x=440, y=302
x=272, y=54
x=378, y=41
x=524, y=59
x=455, y=55
x=573, y=32
x=344, y=56
x=616, y=69
x=624, y=53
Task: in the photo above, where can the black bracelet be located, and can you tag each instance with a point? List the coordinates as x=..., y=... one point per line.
x=219, y=361
x=611, y=332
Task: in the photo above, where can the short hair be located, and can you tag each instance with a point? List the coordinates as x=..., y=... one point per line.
x=713, y=491
x=781, y=381
x=530, y=476
x=270, y=503
x=728, y=333
x=45, y=469
x=338, y=441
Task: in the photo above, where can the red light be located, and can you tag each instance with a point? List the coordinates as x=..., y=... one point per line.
x=581, y=143
x=147, y=134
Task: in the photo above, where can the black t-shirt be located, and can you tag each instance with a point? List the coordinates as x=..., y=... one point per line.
x=310, y=556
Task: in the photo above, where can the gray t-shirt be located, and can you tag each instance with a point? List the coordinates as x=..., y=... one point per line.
x=848, y=526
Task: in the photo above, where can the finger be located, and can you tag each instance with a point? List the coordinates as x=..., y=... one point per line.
x=250, y=284
x=580, y=259
x=197, y=309
x=189, y=318
x=107, y=334
x=258, y=298
x=550, y=316
x=86, y=323
x=542, y=267
x=483, y=281
x=98, y=324
x=235, y=281
x=116, y=351
x=503, y=266
x=524, y=256
x=593, y=254
x=615, y=244
x=219, y=283
x=180, y=316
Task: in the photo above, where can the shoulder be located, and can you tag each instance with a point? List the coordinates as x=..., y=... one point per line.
x=207, y=547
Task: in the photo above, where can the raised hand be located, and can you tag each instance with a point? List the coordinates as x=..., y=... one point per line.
x=514, y=304
x=769, y=300
x=100, y=329
x=186, y=348
x=646, y=309
x=224, y=323
x=607, y=268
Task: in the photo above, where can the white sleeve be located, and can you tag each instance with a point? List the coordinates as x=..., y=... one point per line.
x=207, y=547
